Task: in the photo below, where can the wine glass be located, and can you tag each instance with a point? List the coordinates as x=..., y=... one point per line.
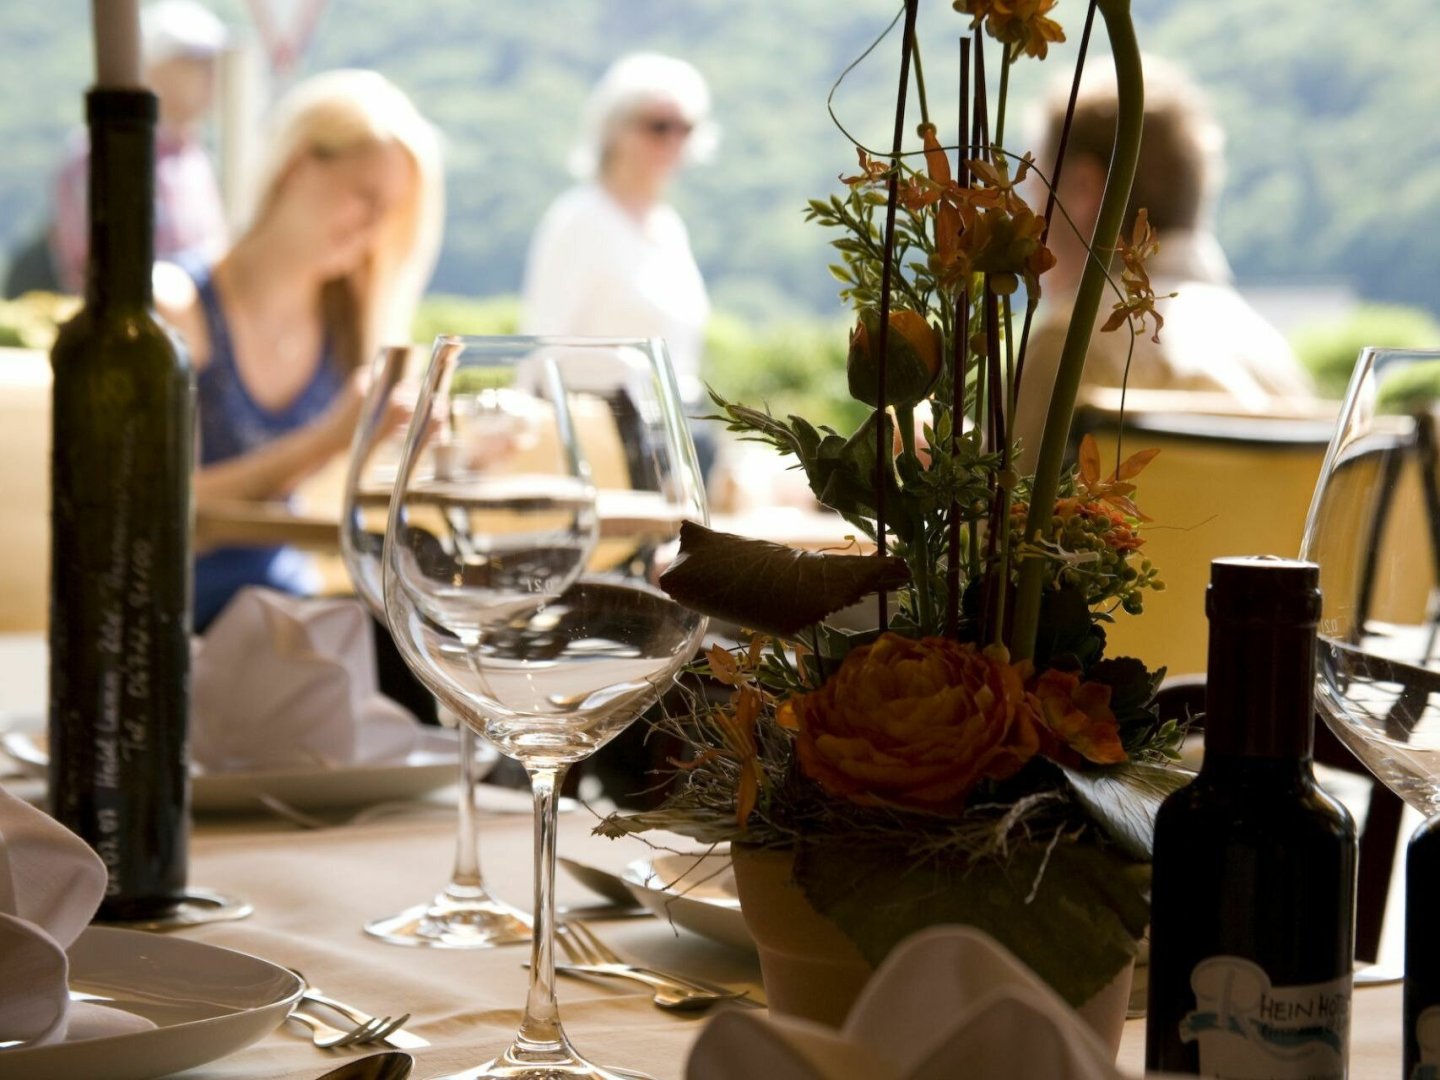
x=1374, y=529
x=480, y=599
x=463, y=914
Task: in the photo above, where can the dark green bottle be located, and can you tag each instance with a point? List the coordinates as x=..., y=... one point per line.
x=120, y=561
x=1422, y=953
x=1252, y=911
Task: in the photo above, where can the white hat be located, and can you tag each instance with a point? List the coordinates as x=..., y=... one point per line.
x=632, y=82
x=171, y=28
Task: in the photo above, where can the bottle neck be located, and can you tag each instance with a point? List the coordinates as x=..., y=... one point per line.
x=121, y=197
x=1259, y=691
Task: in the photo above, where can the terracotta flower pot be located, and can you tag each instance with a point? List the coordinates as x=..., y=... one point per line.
x=812, y=970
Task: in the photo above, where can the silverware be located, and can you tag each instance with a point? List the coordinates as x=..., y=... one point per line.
x=591, y=956
x=390, y=1065
x=601, y=882
x=395, y=1035
x=328, y=1037
x=665, y=994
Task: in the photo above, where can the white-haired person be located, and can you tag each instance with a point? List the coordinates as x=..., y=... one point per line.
x=280, y=329
x=180, y=43
x=611, y=257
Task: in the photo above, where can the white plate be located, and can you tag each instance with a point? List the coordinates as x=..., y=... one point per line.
x=696, y=892
x=432, y=765
x=206, y=1002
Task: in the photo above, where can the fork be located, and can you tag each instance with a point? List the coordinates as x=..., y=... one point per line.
x=327, y=1037
x=592, y=955
x=394, y=1035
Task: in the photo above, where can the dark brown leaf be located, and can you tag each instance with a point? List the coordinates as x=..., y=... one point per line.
x=769, y=587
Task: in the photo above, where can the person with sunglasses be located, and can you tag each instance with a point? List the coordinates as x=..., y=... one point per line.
x=611, y=257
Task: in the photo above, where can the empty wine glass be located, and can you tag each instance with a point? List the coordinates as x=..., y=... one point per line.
x=480, y=598
x=1374, y=529
x=463, y=914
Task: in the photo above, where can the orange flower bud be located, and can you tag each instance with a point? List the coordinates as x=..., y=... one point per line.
x=913, y=358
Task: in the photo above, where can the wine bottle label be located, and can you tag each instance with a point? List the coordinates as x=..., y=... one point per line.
x=126, y=645
x=1248, y=1029
x=1427, y=1038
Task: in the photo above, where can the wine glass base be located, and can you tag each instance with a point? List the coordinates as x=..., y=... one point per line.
x=198, y=907
x=449, y=924
x=570, y=1066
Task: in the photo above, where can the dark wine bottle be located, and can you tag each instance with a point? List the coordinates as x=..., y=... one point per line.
x=1422, y=953
x=1253, y=894
x=120, y=566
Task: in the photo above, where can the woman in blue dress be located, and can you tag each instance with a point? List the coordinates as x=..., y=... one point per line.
x=341, y=244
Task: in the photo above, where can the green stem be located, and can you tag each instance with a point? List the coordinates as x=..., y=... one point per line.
x=1002, y=572
x=1131, y=92
x=920, y=81
x=905, y=420
x=1000, y=107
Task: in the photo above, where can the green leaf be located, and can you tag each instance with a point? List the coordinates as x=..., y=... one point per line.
x=1072, y=913
x=1067, y=630
x=770, y=587
x=1123, y=800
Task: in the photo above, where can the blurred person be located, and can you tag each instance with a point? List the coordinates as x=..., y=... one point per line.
x=180, y=43
x=280, y=329
x=611, y=257
x=1212, y=340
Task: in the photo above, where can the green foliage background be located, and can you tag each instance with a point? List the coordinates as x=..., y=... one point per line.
x=1334, y=160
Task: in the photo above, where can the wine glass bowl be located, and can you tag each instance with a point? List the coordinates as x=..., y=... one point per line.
x=525, y=598
x=463, y=914
x=370, y=476
x=1374, y=530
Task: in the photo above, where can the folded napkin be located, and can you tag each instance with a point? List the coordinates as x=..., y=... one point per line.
x=50, y=885
x=944, y=996
x=281, y=681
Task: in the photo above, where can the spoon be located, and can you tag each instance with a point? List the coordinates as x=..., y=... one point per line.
x=391, y=1065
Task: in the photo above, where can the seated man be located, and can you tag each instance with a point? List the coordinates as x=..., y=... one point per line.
x=1212, y=340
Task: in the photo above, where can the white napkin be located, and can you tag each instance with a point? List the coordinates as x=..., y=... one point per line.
x=946, y=995
x=282, y=681
x=50, y=885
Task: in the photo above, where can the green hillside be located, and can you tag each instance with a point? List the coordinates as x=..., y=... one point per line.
x=1334, y=158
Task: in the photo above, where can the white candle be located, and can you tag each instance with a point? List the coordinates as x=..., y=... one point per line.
x=117, y=42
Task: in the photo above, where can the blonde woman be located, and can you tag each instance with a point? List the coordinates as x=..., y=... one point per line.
x=340, y=246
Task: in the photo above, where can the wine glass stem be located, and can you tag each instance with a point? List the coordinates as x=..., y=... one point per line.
x=466, y=878
x=540, y=1029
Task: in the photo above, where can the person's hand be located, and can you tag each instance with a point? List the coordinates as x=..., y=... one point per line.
x=336, y=425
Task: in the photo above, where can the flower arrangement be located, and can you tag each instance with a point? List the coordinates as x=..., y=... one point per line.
x=975, y=756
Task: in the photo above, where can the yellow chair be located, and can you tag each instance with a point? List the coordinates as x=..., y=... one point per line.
x=25, y=490
x=1221, y=485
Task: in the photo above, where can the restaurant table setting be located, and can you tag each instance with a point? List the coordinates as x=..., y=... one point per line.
x=283, y=681
x=285, y=713
x=945, y=995
x=313, y=888
x=50, y=884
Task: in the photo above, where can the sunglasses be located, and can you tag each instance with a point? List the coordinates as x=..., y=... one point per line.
x=661, y=127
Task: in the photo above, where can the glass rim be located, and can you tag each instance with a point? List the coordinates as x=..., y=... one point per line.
x=565, y=340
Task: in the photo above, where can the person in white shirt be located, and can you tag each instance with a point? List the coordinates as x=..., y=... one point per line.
x=1212, y=340
x=611, y=257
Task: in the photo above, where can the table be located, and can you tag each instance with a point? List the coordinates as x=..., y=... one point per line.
x=316, y=526
x=314, y=888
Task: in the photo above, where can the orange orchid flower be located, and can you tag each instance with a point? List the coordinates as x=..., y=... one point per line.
x=1116, y=488
x=1139, y=302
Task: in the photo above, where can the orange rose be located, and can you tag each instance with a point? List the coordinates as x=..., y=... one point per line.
x=915, y=723
x=1078, y=715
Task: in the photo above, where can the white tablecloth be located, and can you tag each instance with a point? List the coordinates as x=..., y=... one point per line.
x=314, y=888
